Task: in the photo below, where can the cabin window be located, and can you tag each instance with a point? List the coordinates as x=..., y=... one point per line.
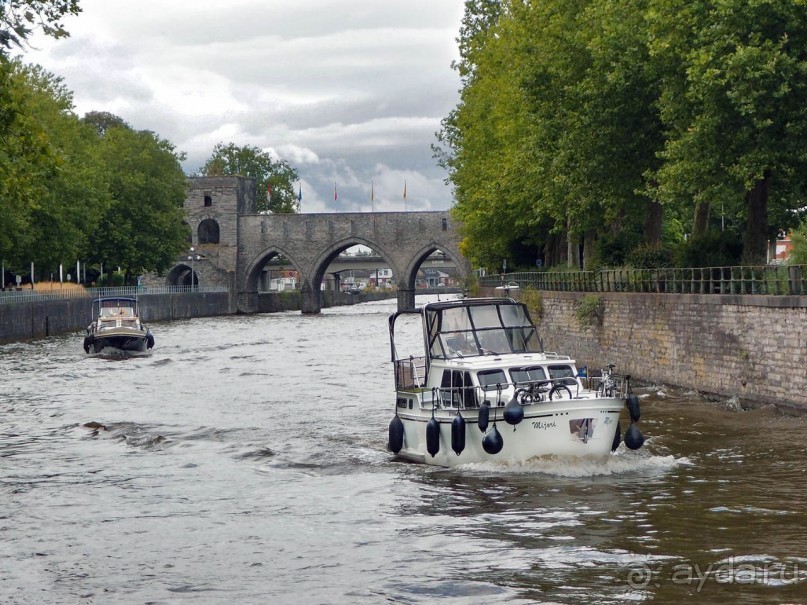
x=565, y=372
x=488, y=379
x=208, y=200
x=468, y=391
x=513, y=316
x=494, y=342
x=531, y=374
x=455, y=320
x=460, y=344
x=485, y=317
x=447, y=389
x=457, y=389
x=437, y=350
x=524, y=339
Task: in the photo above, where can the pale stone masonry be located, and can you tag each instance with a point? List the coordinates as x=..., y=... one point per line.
x=750, y=347
x=235, y=243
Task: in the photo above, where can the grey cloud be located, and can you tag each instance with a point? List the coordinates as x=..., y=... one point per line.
x=352, y=90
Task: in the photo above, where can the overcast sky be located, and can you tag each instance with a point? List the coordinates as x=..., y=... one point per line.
x=349, y=92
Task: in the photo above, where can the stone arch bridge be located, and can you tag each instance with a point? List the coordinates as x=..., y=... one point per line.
x=232, y=243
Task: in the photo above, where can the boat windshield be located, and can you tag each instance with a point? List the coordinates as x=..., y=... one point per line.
x=480, y=329
x=115, y=307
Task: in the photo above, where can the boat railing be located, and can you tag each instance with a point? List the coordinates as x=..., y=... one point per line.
x=534, y=391
x=528, y=391
x=410, y=373
x=557, y=356
x=613, y=385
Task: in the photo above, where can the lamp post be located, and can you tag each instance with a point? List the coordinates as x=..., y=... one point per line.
x=192, y=257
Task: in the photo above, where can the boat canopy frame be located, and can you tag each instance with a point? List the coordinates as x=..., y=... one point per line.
x=107, y=302
x=471, y=320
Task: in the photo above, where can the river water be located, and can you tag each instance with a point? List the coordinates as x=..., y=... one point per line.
x=244, y=461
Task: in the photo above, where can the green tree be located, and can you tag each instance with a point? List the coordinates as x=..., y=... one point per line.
x=143, y=228
x=735, y=84
x=22, y=155
x=19, y=19
x=274, y=178
x=555, y=129
x=51, y=184
x=481, y=141
x=584, y=119
x=798, y=255
x=103, y=121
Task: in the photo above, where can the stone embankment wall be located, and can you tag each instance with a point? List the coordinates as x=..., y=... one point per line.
x=27, y=321
x=753, y=348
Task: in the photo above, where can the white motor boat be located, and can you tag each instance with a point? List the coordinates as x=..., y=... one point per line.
x=484, y=389
x=116, y=324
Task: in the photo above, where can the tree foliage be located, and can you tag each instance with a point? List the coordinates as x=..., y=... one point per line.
x=103, y=121
x=736, y=78
x=274, y=178
x=798, y=255
x=591, y=121
x=19, y=19
x=72, y=190
x=142, y=229
x=50, y=180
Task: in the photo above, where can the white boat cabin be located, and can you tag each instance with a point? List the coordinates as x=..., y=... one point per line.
x=483, y=350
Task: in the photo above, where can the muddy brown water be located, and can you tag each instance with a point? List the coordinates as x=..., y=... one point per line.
x=244, y=461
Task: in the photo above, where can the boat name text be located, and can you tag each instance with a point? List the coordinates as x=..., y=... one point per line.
x=541, y=424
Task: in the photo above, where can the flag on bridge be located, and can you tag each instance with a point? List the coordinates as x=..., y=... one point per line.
x=268, y=190
x=335, y=193
x=404, y=189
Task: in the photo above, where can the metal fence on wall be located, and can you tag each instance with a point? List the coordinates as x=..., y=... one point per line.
x=768, y=279
x=10, y=296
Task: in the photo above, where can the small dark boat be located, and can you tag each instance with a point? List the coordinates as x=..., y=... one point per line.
x=116, y=324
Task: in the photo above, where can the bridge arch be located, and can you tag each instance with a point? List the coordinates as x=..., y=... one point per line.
x=180, y=275
x=321, y=263
x=248, y=293
x=407, y=281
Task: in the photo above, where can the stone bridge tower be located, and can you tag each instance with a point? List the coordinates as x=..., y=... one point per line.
x=232, y=243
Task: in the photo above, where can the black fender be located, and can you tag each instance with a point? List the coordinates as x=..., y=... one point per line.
x=458, y=434
x=493, y=442
x=433, y=437
x=396, y=435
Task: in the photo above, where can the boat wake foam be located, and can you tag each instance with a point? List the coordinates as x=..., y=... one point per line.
x=620, y=463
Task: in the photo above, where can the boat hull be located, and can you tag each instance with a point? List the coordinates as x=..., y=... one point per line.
x=122, y=340
x=116, y=326
x=574, y=428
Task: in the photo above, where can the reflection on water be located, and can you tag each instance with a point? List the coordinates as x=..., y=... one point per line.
x=244, y=461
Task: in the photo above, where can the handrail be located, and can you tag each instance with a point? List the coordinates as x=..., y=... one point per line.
x=775, y=280
x=27, y=296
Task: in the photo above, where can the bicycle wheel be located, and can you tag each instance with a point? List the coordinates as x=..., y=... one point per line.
x=557, y=389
